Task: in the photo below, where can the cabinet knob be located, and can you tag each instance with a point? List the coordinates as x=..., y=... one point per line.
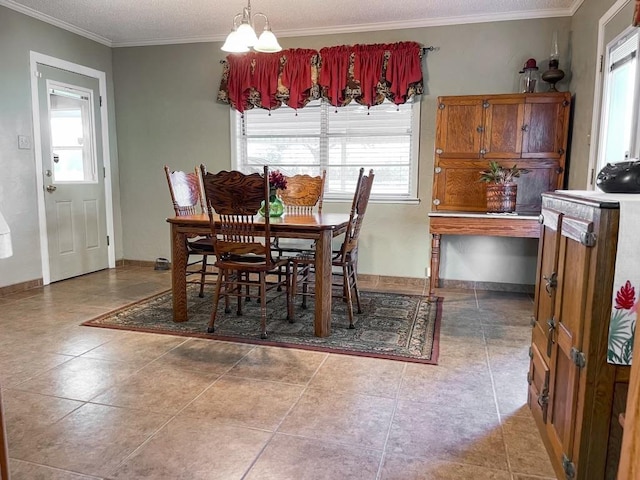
x=483, y=151
x=480, y=129
x=540, y=219
x=439, y=151
x=438, y=169
x=441, y=106
x=561, y=151
x=436, y=201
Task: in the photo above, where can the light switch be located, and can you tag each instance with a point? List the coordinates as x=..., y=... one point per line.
x=24, y=142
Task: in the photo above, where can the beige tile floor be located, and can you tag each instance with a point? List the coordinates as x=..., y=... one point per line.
x=89, y=403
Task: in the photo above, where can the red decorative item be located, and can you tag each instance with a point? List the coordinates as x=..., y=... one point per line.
x=626, y=297
x=297, y=76
x=277, y=180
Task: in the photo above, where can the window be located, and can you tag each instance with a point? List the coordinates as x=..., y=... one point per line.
x=340, y=140
x=72, y=136
x=619, y=132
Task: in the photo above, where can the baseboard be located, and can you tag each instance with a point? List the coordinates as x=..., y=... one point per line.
x=386, y=280
x=135, y=263
x=20, y=287
x=492, y=286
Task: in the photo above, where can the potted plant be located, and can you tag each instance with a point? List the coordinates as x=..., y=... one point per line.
x=501, y=187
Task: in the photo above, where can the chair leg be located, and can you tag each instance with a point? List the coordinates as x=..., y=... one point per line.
x=203, y=273
x=288, y=292
x=292, y=291
x=305, y=284
x=354, y=283
x=347, y=291
x=216, y=299
x=225, y=275
x=241, y=276
x=263, y=305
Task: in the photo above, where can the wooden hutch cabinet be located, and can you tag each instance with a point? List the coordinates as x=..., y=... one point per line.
x=574, y=394
x=528, y=129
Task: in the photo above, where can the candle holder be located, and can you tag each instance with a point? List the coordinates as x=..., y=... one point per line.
x=554, y=74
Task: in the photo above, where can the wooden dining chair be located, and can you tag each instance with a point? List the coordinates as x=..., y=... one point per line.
x=186, y=195
x=242, y=240
x=304, y=195
x=346, y=258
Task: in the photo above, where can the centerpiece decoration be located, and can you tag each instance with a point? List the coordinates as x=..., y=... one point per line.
x=277, y=181
x=501, y=187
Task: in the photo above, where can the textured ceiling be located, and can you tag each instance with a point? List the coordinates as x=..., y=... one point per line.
x=146, y=22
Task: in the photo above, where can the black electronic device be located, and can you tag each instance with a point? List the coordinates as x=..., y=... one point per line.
x=622, y=177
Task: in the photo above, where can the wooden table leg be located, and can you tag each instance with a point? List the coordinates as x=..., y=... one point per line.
x=435, y=265
x=179, y=274
x=4, y=450
x=322, y=321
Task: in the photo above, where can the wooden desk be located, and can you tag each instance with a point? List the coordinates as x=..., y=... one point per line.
x=319, y=227
x=483, y=224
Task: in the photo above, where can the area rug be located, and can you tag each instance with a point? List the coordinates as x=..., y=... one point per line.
x=392, y=326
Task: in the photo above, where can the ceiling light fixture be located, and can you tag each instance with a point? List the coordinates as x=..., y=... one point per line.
x=243, y=36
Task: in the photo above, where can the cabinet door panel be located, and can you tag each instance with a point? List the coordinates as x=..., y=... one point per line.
x=538, y=395
x=547, y=273
x=544, y=125
x=457, y=186
x=542, y=178
x=459, y=127
x=571, y=302
x=503, y=128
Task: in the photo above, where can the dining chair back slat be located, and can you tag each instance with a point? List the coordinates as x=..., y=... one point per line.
x=241, y=240
x=304, y=194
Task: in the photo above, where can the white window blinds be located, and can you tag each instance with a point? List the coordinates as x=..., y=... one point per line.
x=319, y=136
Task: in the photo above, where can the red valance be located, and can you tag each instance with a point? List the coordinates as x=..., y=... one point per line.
x=367, y=74
x=636, y=14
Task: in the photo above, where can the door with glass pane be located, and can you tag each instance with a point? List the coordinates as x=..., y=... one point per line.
x=73, y=173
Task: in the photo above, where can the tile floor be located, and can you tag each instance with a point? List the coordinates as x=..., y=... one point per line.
x=89, y=403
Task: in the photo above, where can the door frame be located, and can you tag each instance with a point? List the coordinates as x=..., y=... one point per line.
x=34, y=59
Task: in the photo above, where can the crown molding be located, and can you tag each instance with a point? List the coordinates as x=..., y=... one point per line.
x=575, y=5
x=55, y=22
x=427, y=22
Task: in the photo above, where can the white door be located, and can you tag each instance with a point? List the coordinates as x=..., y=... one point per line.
x=73, y=172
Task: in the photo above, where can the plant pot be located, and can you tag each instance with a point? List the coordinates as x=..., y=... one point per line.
x=501, y=197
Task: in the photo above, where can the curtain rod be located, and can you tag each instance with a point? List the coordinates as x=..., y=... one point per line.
x=430, y=48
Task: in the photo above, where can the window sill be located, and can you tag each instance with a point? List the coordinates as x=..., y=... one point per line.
x=399, y=201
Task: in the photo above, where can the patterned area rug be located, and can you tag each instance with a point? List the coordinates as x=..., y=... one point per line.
x=392, y=326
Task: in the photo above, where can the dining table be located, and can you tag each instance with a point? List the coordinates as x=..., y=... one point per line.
x=320, y=228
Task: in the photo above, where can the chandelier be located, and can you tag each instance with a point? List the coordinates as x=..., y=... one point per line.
x=243, y=36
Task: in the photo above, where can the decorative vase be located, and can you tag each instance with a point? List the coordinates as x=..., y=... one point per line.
x=276, y=207
x=501, y=197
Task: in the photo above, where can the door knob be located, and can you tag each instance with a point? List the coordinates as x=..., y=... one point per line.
x=51, y=188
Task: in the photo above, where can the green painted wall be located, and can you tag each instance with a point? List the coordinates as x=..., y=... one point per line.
x=20, y=34
x=166, y=113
